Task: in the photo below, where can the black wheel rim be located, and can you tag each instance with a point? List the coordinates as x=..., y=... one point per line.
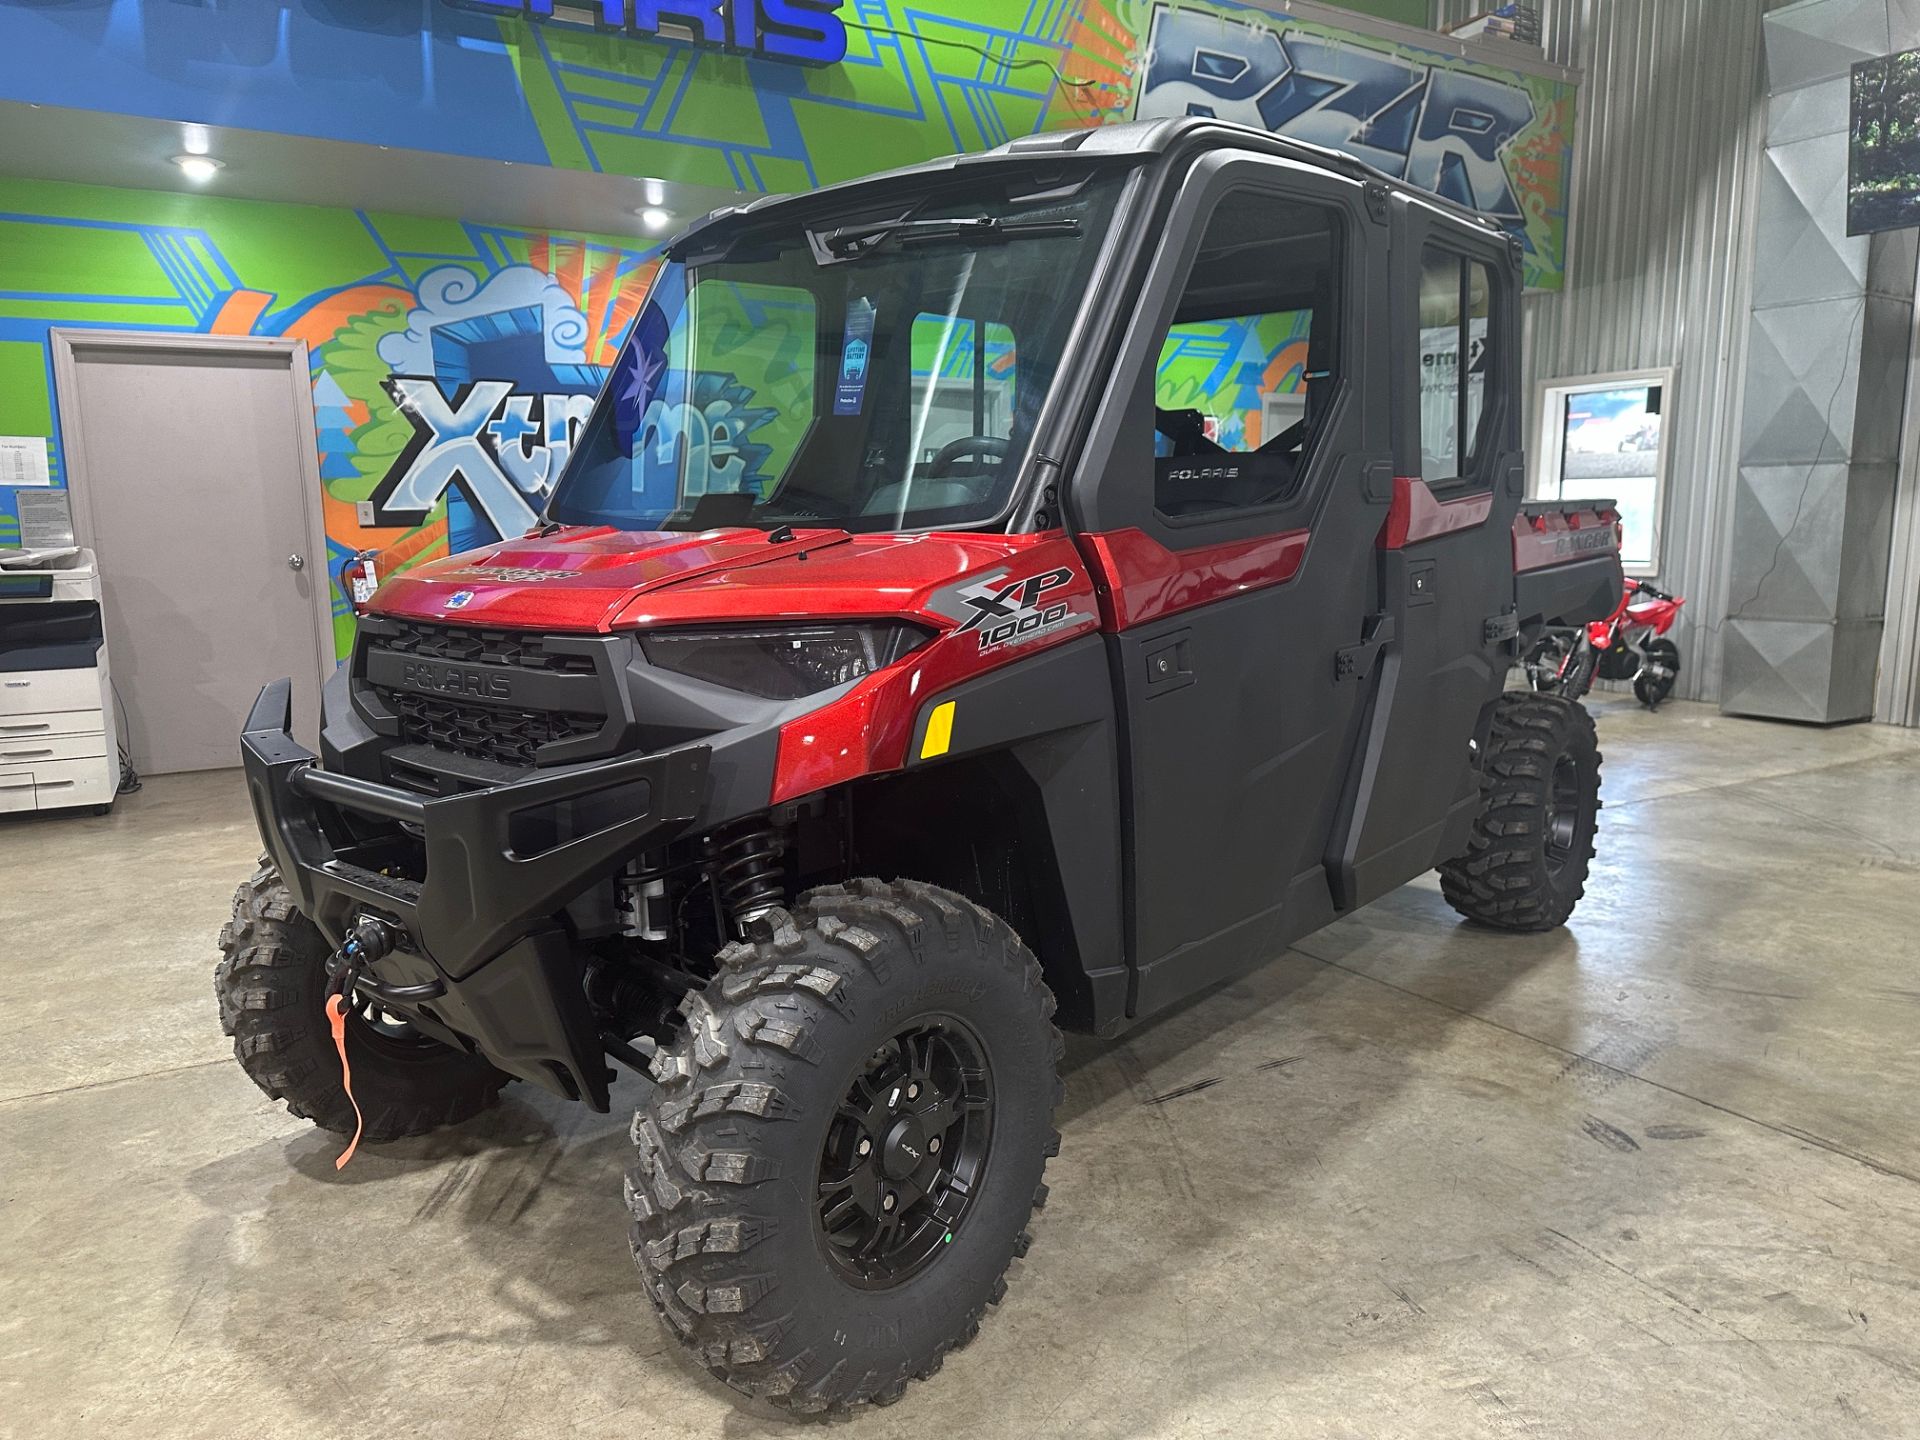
x=905, y=1153
x=389, y=1033
x=1563, y=813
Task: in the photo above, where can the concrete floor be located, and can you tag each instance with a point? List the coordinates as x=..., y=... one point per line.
x=1657, y=1175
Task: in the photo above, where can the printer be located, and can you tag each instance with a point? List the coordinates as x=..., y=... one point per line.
x=58, y=744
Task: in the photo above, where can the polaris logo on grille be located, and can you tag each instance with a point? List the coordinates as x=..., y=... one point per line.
x=455, y=680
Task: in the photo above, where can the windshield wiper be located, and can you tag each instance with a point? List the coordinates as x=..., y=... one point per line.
x=851, y=242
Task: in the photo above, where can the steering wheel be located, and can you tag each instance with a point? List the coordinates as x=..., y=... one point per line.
x=992, y=447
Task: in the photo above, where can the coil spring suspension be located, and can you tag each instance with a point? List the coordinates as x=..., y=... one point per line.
x=748, y=873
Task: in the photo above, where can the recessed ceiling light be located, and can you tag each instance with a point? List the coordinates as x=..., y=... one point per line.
x=655, y=219
x=199, y=168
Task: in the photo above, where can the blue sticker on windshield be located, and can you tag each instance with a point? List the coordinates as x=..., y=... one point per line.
x=855, y=356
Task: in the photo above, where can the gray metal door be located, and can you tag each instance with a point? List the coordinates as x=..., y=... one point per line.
x=193, y=471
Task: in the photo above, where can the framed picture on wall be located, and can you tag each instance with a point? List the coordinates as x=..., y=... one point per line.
x=1605, y=437
x=1883, y=145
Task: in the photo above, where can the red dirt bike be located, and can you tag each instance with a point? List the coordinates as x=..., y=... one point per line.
x=1630, y=644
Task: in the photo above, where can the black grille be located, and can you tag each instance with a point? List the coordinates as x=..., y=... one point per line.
x=509, y=737
x=504, y=734
x=484, y=647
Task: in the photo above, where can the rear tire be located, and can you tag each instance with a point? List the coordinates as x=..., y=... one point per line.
x=1526, y=864
x=1653, y=686
x=272, y=988
x=751, y=1198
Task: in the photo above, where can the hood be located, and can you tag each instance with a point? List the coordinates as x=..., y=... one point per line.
x=858, y=577
x=579, y=579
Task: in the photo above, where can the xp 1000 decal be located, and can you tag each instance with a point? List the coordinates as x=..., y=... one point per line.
x=1004, y=612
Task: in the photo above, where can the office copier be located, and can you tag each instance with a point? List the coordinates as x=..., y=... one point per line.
x=58, y=744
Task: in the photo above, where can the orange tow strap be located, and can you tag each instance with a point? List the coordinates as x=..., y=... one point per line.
x=337, y=1020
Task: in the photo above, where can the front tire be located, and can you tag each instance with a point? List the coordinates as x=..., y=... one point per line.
x=1525, y=867
x=847, y=1144
x=272, y=987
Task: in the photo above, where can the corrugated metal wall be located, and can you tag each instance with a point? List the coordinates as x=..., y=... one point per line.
x=1898, y=701
x=1672, y=121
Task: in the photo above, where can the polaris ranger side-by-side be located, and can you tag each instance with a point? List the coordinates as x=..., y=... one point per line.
x=1024, y=588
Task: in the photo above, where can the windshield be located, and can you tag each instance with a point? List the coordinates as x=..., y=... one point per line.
x=875, y=371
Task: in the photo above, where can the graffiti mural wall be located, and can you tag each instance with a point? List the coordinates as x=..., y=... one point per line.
x=1494, y=142
x=917, y=80
x=452, y=362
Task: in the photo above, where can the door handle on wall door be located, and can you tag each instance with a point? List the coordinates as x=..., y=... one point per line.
x=296, y=562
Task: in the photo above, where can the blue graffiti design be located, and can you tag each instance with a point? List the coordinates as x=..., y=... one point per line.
x=1445, y=130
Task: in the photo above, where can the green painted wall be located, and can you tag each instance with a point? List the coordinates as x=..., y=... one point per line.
x=374, y=296
x=1405, y=12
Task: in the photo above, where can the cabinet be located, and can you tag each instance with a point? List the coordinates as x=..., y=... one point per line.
x=58, y=743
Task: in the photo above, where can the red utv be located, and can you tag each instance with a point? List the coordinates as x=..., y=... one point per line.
x=1015, y=591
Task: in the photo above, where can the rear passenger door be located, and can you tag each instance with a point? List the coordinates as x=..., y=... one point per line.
x=1228, y=503
x=1446, y=553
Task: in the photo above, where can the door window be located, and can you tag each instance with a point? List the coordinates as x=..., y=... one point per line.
x=1247, y=370
x=1456, y=314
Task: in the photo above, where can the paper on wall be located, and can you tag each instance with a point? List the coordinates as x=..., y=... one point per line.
x=46, y=520
x=23, y=460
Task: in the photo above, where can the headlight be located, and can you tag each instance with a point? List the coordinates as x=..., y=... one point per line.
x=782, y=662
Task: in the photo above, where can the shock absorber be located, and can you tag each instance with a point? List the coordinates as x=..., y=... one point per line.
x=749, y=873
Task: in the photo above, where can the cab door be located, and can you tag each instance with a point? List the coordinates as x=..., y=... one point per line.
x=1227, y=505
x=1446, y=554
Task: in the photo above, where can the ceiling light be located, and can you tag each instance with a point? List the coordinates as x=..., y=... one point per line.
x=655, y=219
x=199, y=168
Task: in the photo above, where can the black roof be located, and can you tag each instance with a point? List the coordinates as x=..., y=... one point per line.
x=1134, y=142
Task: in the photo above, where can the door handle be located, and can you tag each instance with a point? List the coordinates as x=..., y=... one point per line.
x=296, y=562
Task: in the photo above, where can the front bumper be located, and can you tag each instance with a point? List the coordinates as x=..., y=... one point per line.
x=484, y=959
